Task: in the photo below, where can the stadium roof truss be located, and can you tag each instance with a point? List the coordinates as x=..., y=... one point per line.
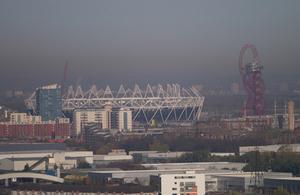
x=179, y=101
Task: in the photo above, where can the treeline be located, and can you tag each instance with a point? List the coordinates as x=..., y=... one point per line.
x=188, y=144
x=275, y=161
x=150, y=143
x=193, y=144
x=284, y=160
x=281, y=161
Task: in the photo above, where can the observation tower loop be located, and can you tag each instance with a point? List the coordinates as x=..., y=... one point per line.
x=253, y=83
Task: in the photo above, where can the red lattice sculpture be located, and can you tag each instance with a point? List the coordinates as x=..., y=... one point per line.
x=253, y=83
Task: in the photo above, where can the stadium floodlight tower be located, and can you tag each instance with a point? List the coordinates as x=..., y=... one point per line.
x=253, y=83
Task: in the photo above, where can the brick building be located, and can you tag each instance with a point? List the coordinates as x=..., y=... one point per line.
x=232, y=129
x=57, y=129
x=172, y=134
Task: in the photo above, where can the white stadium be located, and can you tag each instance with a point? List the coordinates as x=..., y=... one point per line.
x=173, y=104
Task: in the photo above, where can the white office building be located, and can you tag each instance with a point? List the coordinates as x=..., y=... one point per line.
x=82, y=155
x=22, y=117
x=83, y=116
x=180, y=184
x=110, y=119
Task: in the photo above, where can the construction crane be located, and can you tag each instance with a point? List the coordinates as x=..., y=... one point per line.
x=64, y=78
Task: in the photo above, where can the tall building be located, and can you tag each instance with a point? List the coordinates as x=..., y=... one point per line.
x=198, y=87
x=85, y=116
x=234, y=88
x=125, y=120
x=48, y=102
x=107, y=122
x=18, y=94
x=9, y=93
x=108, y=117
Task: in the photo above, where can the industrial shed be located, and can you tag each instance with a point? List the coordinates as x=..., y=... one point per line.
x=18, y=164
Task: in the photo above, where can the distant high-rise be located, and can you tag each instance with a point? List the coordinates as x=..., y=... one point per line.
x=198, y=87
x=48, y=102
x=9, y=93
x=234, y=88
x=18, y=94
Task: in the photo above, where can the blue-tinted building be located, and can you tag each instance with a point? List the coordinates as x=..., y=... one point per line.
x=48, y=102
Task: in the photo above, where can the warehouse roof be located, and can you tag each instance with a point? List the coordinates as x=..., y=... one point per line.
x=86, y=188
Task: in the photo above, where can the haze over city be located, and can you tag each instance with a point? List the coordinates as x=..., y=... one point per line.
x=145, y=41
x=155, y=97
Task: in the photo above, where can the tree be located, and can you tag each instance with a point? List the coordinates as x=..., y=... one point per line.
x=197, y=156
x=159, y=146
x=26, y=168
x=154, y=182
x=83, y=165
x=281, y=191
x=285, y=149
x=55, y=166
x=256, y=161
x=88, y=180
x=105, y=149
x=136, y=181
x=90, y=148
x=136, y=144
x=73, y=143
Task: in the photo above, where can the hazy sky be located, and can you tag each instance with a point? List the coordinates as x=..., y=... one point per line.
x=159, y=38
